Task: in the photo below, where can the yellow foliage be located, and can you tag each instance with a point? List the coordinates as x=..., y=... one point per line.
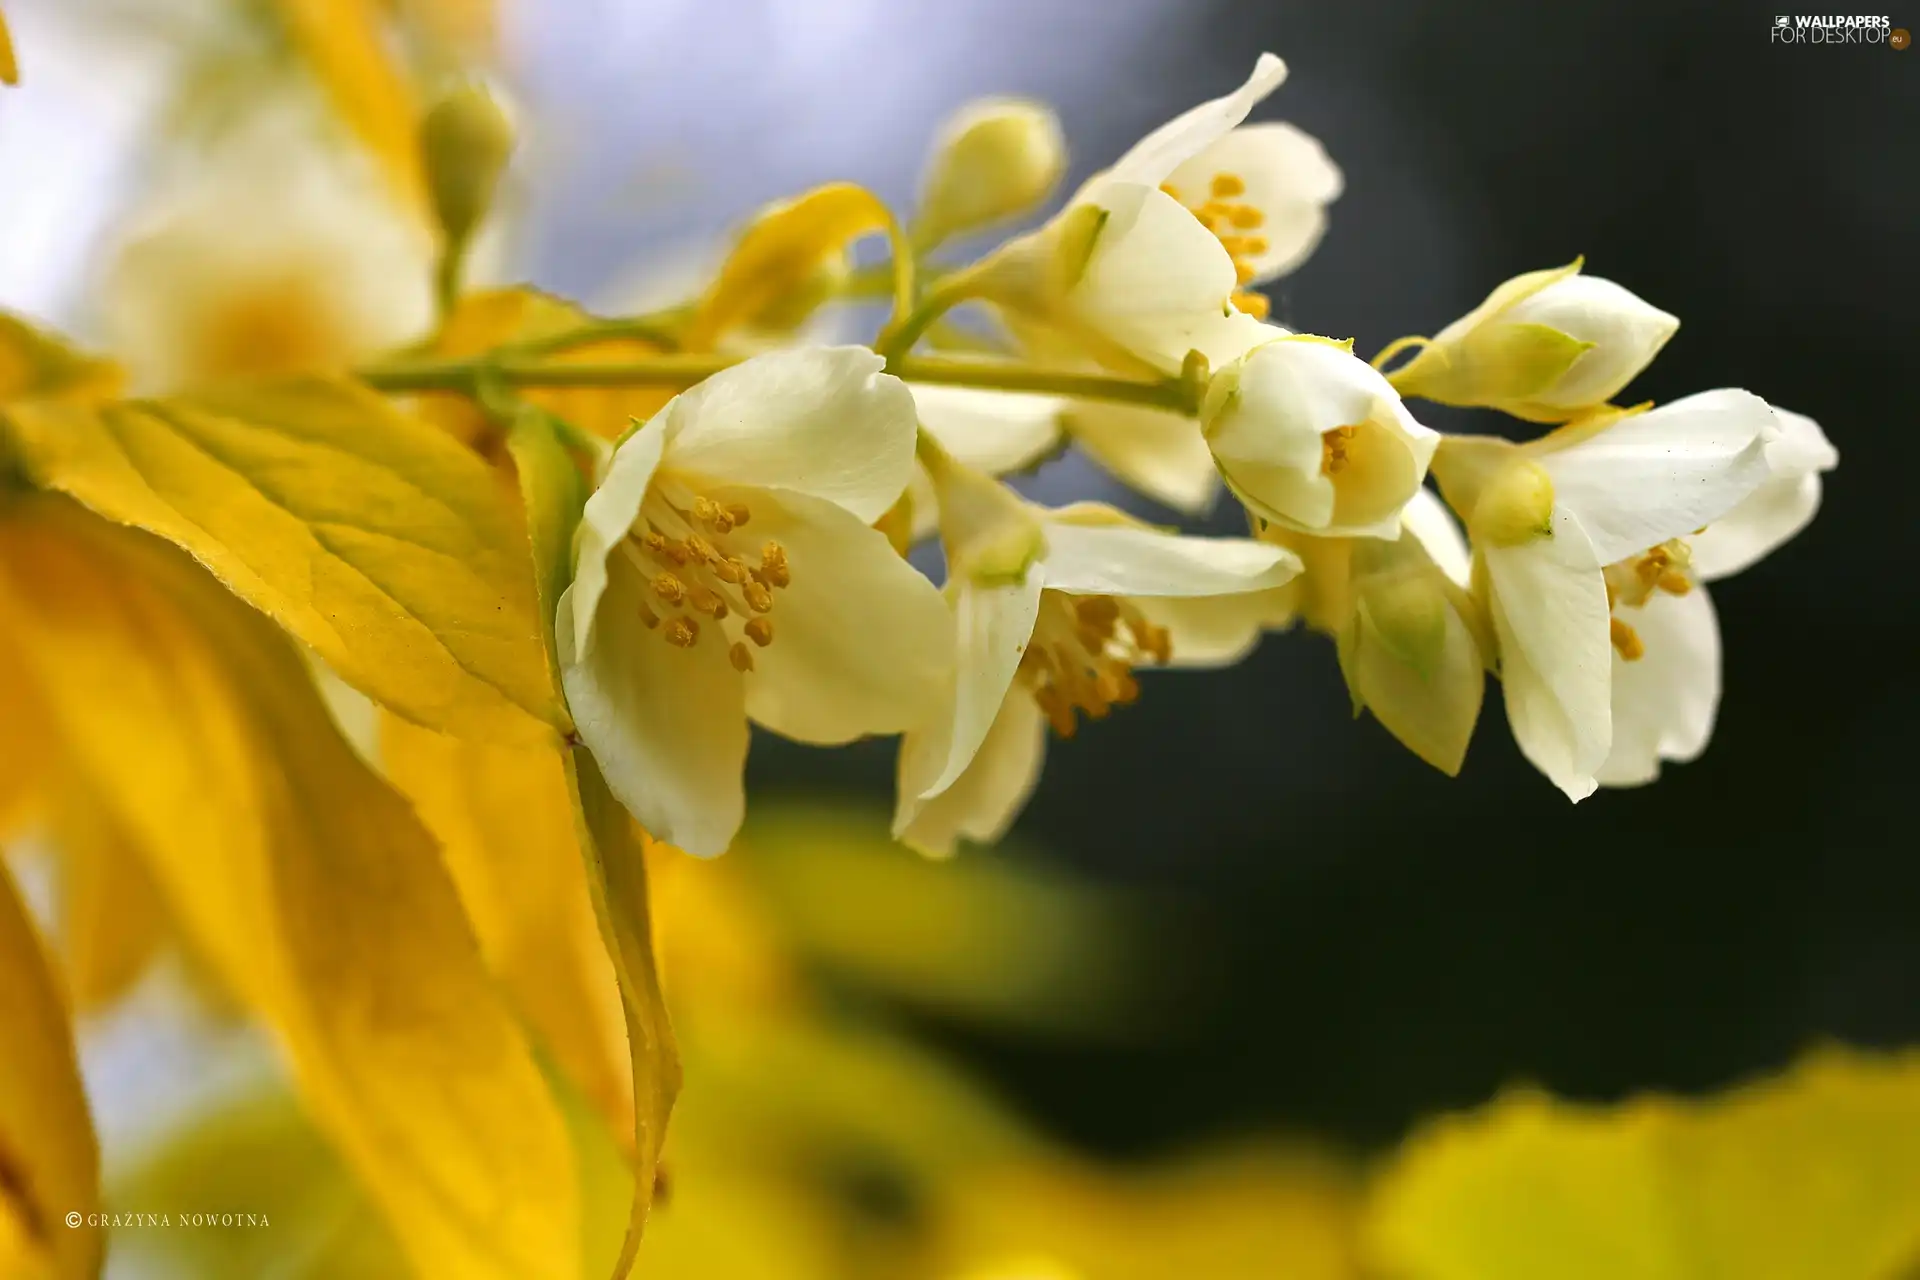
x=112, y=919
x=305, y=881
x=1812, y=1176
x=366, y=534
x=782, y=252
x=505, y=822
x=49, y=1163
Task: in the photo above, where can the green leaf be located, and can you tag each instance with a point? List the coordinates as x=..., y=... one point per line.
x=366, y=533
x=553, y=492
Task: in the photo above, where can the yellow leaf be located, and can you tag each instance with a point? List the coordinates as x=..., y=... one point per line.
x=307, y=882
x=367, y=534
x=345, y=43
x=9, y=69
x=492, y=318
x=553, y=492
x=253, y=1155
x=617, y=876
x=782, y=252
x=35, y=364
x=49, y=1161
x=505, y=822
x=112, y=920
x=25, y=738
x=1815, y=1174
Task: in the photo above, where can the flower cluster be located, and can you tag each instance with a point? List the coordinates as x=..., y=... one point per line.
x=729, y=568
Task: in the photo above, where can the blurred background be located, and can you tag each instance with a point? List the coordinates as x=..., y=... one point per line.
x=1346, y=939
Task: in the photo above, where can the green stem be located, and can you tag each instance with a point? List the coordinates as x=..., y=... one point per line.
x=662, y=328
x=685, y=370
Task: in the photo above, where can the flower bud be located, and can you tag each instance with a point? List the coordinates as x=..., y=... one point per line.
x=1410, y=651
x=465, y=141
x=1515, y=507
x=1311, y=437
x=996, y=158
x=1544, y=346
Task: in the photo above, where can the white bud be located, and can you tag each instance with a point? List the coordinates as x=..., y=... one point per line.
x=1311, y=437
x=995, y=159
x=1545, y=346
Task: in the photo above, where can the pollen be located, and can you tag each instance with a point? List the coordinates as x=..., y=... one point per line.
x=1334, y=446
x=1665, y=568
x=1081, y=658
x=684, y=545
x=1626, y=641
x=1226, y=213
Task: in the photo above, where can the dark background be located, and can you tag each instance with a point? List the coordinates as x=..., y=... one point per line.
x=1384, y=942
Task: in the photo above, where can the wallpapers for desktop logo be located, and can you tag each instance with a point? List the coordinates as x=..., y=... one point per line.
x=1848, y=28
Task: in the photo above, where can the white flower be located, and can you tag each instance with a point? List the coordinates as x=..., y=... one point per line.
x=1138, y=278
x=1547, y=518
x=1311, y=437
x=726, y=567
x=1053, y=611
x=996, y=158
x=287, y=256
x=991, y=431
x=1544, y=346
x=1666, y=659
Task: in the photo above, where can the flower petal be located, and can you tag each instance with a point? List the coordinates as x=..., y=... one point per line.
x=983, y=802
x=1664, y=703
x=823, y=421
x=604, y=523
x=1216, y=631
x=1550, y=616
x=1622, y=332
x=862, y=642
x=1151, y=159
x=668, y=725
x=1093, y=550
x=991, y=431
x=1157, y=282
x=1657, y=475
x=1161, y=454
x=1288, y=178
x=993, y=625
x=1433, y=526
x=1777, y=510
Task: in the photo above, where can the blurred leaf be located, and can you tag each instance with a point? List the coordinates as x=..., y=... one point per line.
x=617, y=877
x=345, y=43
x=9, y=68
x=371, y=537
x=782, y=252
x=26, y=737
x=1815, y=1174
x=111, y=915
x=1249, y=1214
x=988, y=937
x=33, y=363
x=306, y=881
x=504, y=819
x=49, y=1162
x=493, y=318
x=255, y=1156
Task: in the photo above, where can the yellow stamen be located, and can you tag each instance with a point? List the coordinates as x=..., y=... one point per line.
x=773, y=563
x=1333, y=450
x=1243, y=272
x=1227, y=185
x=1626, y=641
x=669, y=588
x=1247, y=218
x=759, y=599
x=738, y=513
x=741, y=657
x=760, y=631
x=682, y=632
x=1254, y=304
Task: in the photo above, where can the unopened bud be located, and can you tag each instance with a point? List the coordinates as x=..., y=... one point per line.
x=1412, y=658
x=1516, y=507
x=996, y=158
x=465, y=141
